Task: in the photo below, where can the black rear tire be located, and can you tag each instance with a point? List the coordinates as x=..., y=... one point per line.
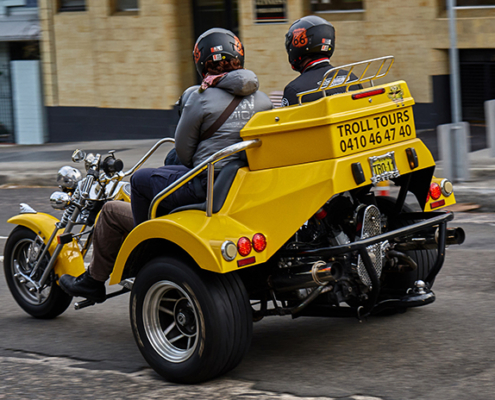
x=398, y=283
x=190, y=325
x=54, y=301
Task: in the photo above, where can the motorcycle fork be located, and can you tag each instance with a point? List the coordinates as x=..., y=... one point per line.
x=68, y=228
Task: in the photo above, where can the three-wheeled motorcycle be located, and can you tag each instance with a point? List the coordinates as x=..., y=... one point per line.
x=293, y=228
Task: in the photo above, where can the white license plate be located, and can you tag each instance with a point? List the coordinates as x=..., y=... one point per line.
x=383, y=167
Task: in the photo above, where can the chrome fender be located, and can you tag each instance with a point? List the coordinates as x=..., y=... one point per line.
x=70, y=260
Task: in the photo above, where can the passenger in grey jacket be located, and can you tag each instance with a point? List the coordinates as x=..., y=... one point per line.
x=203, y=109
x=219, y=58
x=223, y=80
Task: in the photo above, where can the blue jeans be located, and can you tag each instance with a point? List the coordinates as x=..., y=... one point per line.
x=146, y=183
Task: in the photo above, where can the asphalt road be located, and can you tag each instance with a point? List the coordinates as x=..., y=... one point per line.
x=442, y=351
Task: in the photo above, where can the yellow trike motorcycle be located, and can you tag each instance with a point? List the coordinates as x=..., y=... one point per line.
x=293, y=228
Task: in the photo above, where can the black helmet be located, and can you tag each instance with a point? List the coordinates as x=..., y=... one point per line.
x=217, y=44
x=309, y=35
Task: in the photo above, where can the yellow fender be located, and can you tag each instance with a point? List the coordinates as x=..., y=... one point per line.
x=171, y=231
x=70, y=260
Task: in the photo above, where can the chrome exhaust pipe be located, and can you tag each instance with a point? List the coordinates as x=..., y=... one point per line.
x=307, y=276
x=430, y=241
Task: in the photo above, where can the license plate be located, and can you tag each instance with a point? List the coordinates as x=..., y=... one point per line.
x=383, y=167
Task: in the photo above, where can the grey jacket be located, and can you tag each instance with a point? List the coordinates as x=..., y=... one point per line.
x=201, y=110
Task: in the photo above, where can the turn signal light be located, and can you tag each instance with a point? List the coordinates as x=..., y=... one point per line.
x=259, y=242
x=244, y=246
x=435, y=191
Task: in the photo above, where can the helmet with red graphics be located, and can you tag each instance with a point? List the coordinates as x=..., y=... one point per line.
x=309, y=35
x=217, y=44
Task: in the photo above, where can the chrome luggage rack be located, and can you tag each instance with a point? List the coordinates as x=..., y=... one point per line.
x=327, y=83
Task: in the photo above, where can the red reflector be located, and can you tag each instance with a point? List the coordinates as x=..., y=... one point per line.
x=246, y=261
x=244, y=246
x=58, y=239
x=437, y=204
x=259, y=242
x=368, y=93
x=435, y=191
x=321, y=214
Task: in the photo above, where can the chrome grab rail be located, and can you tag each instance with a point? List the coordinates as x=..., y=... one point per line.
x=327, y=83
x=207, y=164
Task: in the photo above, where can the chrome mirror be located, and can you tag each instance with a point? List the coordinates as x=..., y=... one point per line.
x=78, y=155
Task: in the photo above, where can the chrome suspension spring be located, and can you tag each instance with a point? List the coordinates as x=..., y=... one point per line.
x=66, y=217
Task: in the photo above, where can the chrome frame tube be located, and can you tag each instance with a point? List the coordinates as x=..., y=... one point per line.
x=213, y=159
x=209, y=190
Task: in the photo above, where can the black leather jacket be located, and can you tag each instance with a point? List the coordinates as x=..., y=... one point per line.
x=311, y=79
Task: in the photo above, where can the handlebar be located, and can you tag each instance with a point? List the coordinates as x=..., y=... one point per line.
x=148, y=155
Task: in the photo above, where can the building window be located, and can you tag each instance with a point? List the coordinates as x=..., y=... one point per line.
x=72, y=5
x=475, y=3
x=126, y=5
x=336, y=5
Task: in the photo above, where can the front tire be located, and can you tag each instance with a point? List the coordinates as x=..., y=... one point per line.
x=52, y=301
x=190, y=325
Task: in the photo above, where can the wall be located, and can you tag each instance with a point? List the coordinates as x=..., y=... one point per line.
x=97, y=58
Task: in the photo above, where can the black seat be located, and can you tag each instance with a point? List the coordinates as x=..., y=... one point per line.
x=221, y=188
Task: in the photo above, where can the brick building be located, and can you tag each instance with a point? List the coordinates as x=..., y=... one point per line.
x=114, y=68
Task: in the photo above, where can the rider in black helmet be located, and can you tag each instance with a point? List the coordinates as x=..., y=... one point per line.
x=310, y=42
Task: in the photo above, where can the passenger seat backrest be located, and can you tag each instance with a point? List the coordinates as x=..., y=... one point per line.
x=221, y=187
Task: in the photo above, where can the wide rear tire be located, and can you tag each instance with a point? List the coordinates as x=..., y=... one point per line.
x=398, y=283
x=190, y=325
x=53, y=300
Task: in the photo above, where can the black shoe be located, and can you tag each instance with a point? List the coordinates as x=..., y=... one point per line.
x=83, y=286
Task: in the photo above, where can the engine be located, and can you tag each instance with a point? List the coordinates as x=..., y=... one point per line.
x=339, y=222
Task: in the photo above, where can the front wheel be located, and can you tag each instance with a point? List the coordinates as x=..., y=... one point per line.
x=190, y=325
x=52, y=300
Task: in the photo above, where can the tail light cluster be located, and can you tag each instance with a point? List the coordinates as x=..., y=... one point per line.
x=244, y=248
x=437, y=190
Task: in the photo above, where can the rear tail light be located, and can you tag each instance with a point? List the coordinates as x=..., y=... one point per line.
x=259, y=242
x=369, y=93
x=435, y=191
x=244, y=246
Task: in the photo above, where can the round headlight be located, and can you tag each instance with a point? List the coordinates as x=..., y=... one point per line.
x=59, y=200
x=68, y=177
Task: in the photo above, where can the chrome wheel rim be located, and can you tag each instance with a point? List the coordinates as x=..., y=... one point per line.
x=170, y=321
x=20, y=263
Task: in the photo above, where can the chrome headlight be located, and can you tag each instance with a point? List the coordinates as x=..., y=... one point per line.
x=59, y=200
x=68, y=177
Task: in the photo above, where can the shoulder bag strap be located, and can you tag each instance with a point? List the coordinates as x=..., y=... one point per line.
x=222, y=118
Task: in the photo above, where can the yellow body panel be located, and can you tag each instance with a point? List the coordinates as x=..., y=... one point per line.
x=275, y=202
x=332, y=127
x=70, y=260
